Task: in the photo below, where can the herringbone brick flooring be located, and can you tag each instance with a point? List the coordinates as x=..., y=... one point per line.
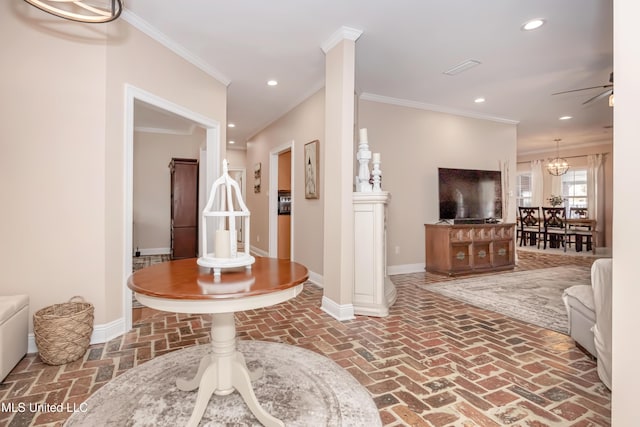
x=432, y=362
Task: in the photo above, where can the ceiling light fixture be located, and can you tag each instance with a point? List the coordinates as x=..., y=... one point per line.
x=231, y=125
x=272, y=83
x=479, y=100
x=611, y=101
x=565, y=118
x=89, y=11
x=463, y=66
x=232, y=142
x=558, y=166
x=532, y=24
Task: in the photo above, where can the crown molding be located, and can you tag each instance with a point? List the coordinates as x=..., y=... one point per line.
x=432, y=107
x=343, y=33
x=552, y=151
x=178, y=49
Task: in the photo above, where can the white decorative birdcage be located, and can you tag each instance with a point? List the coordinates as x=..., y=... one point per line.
x=223, y=208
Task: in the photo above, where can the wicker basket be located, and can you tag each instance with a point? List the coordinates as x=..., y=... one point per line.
x=63, y=331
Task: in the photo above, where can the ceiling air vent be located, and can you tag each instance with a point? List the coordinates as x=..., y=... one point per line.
x=463, y=66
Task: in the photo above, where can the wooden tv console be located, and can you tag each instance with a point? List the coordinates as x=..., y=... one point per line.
x=469, y=248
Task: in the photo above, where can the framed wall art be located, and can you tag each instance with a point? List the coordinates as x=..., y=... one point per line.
x=311, y=169
x=257, y=177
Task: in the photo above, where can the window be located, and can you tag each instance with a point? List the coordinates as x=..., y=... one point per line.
x=523, y=189
x=574, y=188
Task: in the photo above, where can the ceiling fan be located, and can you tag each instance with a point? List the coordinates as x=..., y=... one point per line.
x=606, y=93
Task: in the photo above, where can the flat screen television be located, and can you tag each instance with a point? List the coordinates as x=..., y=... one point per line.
x=469, y=195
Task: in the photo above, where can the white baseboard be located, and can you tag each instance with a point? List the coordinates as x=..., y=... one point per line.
x=405, y=269
x=101, y=334
x=316, y=279
x=258, y=251
x=337, y=311
x=155, y=251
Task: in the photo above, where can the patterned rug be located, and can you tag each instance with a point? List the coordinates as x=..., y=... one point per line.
x=533, y=296
x=300, y=387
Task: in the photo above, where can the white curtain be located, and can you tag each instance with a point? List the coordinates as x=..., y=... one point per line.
x=595, y=186
x=506, y=189
x=537, y=180
x=537, y=183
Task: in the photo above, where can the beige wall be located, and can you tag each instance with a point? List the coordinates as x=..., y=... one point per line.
x=237, y=159
x=301, y=125
x=63, y=158
x=152, y=153
x=412, y=144
x=577, y=158
x=428, y=140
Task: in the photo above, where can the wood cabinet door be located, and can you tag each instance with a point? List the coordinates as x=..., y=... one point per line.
x=184, y=208
x=184, y=242
x=502, y=253
x=184, y=194
x=481, y=255
x=460, y=257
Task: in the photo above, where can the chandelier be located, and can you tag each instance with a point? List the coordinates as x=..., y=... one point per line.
x=91, y=11
x=558, y=166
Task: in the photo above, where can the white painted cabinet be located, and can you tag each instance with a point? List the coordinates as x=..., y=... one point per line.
x=373, y=291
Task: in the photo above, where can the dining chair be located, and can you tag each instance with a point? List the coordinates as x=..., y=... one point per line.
x=530, y=230
x=581, y=213
x=555, y=230
x=582, y=231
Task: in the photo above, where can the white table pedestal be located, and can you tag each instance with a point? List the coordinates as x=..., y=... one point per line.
x=224, y=371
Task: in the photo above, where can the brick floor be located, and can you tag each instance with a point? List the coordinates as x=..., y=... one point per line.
x=433, y=361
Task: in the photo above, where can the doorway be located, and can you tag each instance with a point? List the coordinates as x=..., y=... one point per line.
x=239, y=176
x=281, y=226
x=284, y=205
x=210, y=170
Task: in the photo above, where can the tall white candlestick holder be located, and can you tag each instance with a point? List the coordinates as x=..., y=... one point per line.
x=363, y=156
x=220, y=207
x=377, y=174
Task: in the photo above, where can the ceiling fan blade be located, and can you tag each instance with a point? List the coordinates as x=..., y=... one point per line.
x=584, y=88
x=599, y=96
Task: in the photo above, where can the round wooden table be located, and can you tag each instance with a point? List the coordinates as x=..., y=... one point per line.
x=184, y=287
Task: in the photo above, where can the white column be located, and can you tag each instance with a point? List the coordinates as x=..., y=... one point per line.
x=338, y=173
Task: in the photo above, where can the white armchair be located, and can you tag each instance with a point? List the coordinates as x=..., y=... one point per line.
x=589, y=310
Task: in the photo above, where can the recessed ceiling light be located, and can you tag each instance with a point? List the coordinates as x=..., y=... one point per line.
x=231, y=125
x=565, y=118
x=479, y=100
x=232, y=142
x=272, y=83
x=532, y=24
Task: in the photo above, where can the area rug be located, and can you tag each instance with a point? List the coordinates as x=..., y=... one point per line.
x=300, y=387
x=533, y=296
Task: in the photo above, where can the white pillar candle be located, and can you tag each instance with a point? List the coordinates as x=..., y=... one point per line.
x=363, y=134
x=223, y=249
x=376, y=158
